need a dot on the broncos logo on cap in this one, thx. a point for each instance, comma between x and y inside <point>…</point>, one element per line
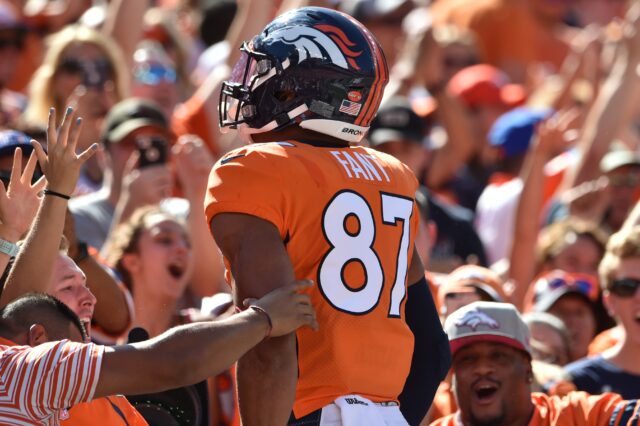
<point>320,42</point>
<point>474,318</point>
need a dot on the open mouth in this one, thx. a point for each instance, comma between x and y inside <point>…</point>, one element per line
<point>86,323</point>
<point>485,391</point>
<point>176,271</point>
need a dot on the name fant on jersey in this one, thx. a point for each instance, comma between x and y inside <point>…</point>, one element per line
<point>361,166</point>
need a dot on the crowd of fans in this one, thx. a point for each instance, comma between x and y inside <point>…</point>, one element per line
<point>518,118</point>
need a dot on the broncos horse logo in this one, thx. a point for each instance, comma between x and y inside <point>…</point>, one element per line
<point>320,42</point>
<point>474,318</point>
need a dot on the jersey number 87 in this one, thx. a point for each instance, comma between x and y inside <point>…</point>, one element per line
<point>347,247</point>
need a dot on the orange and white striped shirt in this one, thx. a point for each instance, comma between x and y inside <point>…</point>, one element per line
<point>38,384</point>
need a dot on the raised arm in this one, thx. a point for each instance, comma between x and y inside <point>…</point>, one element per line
<point>548,142</point>
<point>61,167</point>
<point>193,163</point>
<point>267,374</point>
<point>460,140</point>
<point>187,354</point>
<point>613,107</point>
<point>124,24</point>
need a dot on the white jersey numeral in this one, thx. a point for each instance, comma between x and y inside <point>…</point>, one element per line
<point>347,247</point>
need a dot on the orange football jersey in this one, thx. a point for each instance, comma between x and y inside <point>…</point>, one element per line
<point>575,409</point>
<point>348,219</point>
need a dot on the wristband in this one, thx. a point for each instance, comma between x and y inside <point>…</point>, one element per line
<point>12,250</point>
<point>56,194</point>
<point>263,312</point>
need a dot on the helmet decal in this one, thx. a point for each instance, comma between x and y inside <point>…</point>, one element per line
<point>314,43</point>
<point>341,39</point>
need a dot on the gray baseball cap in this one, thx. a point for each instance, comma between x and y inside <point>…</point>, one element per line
<point>487,322</point>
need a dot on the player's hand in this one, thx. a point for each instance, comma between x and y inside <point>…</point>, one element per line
<point>287,308</point>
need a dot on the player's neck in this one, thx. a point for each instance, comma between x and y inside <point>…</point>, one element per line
<point>295,133</point>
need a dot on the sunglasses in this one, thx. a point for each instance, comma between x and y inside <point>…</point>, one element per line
<point>152,75</point>
<point>95,73</point>
<point>582,285</point>
<point>453,62</point>
<point>624,287</point>
<point>12,39</point>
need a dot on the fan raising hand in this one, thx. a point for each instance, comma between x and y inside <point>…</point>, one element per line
<point>61,165</point>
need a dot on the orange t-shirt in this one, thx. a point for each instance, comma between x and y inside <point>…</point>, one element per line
<point>605,340</point>
<point>192,117</point>
<point>348,219</point>
<point>509,36</point>
<point>575,409</point>
<point>444,401</point>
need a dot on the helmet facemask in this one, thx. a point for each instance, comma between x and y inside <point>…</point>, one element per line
<point>251,69</point>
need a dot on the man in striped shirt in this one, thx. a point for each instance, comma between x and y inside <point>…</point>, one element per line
<point>41,373</point>
<point>45,369</point>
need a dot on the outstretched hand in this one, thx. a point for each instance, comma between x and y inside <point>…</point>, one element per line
<point>554,135</point>
<point>287,307</point>
<point>61,165</point>
<point>20,200</point>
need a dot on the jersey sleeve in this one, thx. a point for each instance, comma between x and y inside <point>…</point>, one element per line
<point>605,409</point>
<point>625,413</point>
<point>250,182</point>
<point>55,375</point>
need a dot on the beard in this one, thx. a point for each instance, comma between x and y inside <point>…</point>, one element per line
<point>493,421</point>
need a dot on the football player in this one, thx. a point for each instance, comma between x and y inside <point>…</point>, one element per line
<point>306,201</point>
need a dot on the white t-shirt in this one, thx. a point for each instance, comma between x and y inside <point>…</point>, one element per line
<point>495,217</point>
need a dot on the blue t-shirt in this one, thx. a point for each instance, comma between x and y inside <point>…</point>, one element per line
<point>596,375</point>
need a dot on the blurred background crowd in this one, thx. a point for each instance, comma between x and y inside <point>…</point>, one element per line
<point>518,117</point>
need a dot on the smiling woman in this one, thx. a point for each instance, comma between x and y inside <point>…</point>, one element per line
<point>153,255</point>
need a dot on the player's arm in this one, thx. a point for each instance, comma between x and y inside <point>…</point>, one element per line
<point>431,355</point>
<point>187,354</point>
<point>267,374</point>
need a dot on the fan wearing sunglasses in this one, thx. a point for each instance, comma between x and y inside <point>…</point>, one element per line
<point>617,369</point>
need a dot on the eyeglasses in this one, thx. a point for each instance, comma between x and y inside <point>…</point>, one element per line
<point>624,287</point>
<point>154,74</point>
